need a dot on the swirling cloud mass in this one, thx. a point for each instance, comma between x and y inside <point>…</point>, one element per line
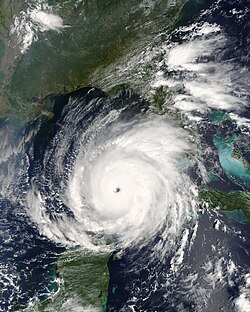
<point>121,178</point>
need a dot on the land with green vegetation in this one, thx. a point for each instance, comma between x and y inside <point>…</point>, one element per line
<point>226,202</point>
<point>81,281</point>
<point>97,34</point>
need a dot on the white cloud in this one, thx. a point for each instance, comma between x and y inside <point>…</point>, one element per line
<point>47,21</point>
<point>37,18</point>
<point>242,303</point>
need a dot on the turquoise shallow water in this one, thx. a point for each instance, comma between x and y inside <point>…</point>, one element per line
<point>232,166</point>
<point>237,215</point>
<point>217,116</point>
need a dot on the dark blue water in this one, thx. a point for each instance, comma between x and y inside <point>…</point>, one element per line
<point>26,257</point>
<point>137,282</point>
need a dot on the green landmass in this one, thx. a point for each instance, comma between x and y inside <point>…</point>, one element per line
<point>81,281</point>
<point>238,155</point>
<point>162,96</point>
<point>99,33</point>
<point>230,201</point>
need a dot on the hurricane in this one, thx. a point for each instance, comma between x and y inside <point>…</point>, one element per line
<point>119,177</point>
